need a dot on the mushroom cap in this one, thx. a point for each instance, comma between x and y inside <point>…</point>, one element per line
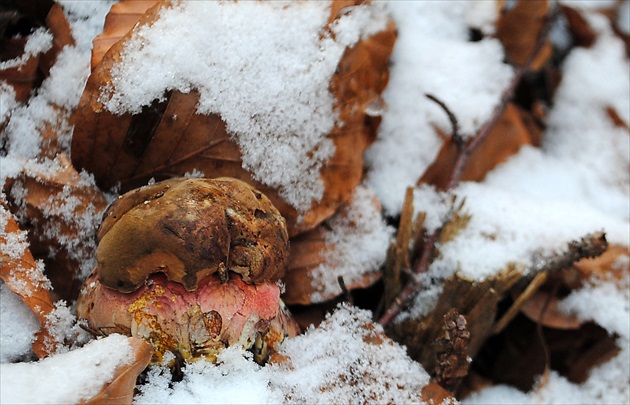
<point>188,229</point>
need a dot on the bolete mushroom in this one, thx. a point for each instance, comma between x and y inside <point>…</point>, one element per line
<point>192,266</point>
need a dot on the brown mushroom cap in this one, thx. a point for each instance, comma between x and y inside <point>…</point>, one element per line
<point>189,229</point>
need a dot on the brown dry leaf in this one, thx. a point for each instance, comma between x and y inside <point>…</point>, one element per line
<point>121,389</point>
<point>59,26</point>
<point>169,138</point>
<point>306,283</point>
<point>616,118</point>
<point>612,264</point>
<point>518,30</point>
<point>433,393</point>
<point>33,14</point>
<point>582,33</point>
<point>61,211</point>
<point>22,78</point>
<point>22,275</point>
<point>120,20</point>
<point>542,308</point>
<point>511,132</point>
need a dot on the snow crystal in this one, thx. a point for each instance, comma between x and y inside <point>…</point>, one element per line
<point>66,378</point>
<point>604,302</point>
<point>265,67</point>
<point>433,203</point>
<point>335,363</point>
<point>86,21</point>
<point>235,379</point>
<point>18,325</point>
<point>7,101</point>
<point>357,240</point>
<point>64,330</point>
<point>38,41</point>
<point>432,55</point>
<point>13,245</point>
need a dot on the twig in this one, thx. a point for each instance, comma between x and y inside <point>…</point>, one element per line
<point>345,291</point>
<point>589,246</point>
<point>464,153</point>
<point>455,136</point>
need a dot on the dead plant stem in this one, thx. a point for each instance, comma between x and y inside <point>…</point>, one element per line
<point>465,149</point>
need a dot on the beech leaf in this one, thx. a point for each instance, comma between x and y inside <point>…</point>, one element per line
<point>519,28</point>
<point>121,389</point>
<point>61,210</point>
<point>120,20</point>
<point>170,138</point>
<point>23,277</point>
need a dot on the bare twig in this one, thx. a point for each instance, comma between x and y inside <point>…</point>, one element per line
<point>455,135</point>
<point>589,246</point>
<point>345,291</point>
<point>465,151</point>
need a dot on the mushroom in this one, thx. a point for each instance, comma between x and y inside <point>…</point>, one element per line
<point>192,266</point>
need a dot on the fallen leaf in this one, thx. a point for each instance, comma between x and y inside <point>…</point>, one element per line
<point>120,20</point>
<point>582,33</point>
<point>61,210</point>
<point>28,74</point>
<point>511,132</point>
<point>433,393</point>
<point>170,138</point>
<point>24,277</point>
<point>59,26</point>
<point>319,257</point>
<point>519,29</point>
<point>121,389</point>
<point>542,308</point>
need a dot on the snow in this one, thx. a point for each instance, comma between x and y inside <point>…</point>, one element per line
<point>67,378</point>
<point>333,363</point>
<point>13,245</point>
<point>357,239</point>
<point>18,325</point>
<point>336,363</point>
<point>38,42</point>
<point>432,55</point>
<point>273,93</point>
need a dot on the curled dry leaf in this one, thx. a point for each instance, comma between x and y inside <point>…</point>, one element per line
<point>512,131</point>
<point>121,389</point>
<point>581,31</point>
<point>171,138</point>
<point>519,28</point>
<point>120,20</point>
<point>60,209</point>
<point>24,277</point>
